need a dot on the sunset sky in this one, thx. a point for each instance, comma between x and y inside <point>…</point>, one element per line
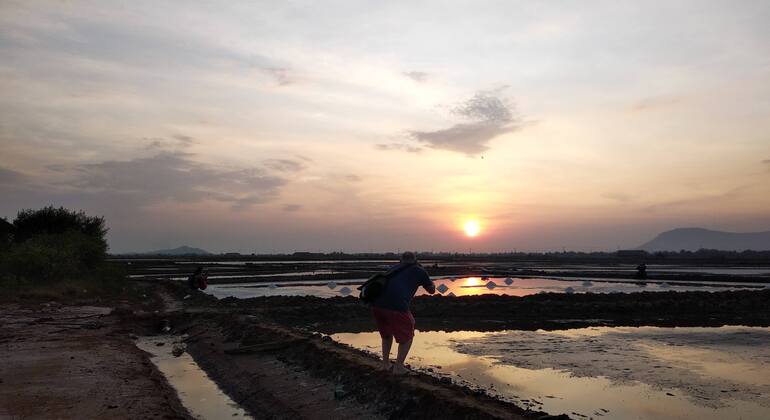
<point>376,126</point>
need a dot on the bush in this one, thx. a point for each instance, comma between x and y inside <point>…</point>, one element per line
<point>56,246</point>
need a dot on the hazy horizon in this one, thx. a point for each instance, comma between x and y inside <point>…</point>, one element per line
<point>368,126</point>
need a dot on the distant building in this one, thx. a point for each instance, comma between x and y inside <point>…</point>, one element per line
<point>629,253</point>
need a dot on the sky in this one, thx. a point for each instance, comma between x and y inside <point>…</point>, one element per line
<point>364,126</point>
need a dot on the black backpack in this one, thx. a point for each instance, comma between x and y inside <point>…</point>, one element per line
<point>375,285</point>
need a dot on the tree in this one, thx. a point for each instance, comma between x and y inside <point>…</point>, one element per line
<point>54,244</point>
<point>50,220</point>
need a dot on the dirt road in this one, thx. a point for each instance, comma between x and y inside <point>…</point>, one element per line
<point>76,362</point>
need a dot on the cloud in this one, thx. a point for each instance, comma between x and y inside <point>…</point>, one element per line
<point>702,201</point>
<point>284,165</point>
<point>489,117</point>
<point>292,207</point>
<point>177,141</point>
<point>10,177</point>
<point>618,196</point>
<point>417,76</point>
<point>282,76</point>
<point>653,102</point>
<point>352,178</point>
<point>175,176</point>
<point>399,146</point>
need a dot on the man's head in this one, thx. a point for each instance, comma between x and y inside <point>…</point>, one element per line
<point>408,257</point>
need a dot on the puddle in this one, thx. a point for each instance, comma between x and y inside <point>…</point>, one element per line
<point>468,286</point>
<point>198,393</point>
<point>603,372</point>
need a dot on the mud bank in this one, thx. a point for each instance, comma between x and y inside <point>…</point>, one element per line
<point>490,312</point>
<point>277,372</point>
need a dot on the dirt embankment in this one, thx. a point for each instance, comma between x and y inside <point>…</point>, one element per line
<point>76,362</point>
<point>491,312</point>
<point>286,373</point>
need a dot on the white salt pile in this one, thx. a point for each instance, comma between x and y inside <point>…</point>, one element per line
<point>331,285</point>
<point>569,290</point>
<point>345,291</point>
<point>491,285</point>
<point>509,281</point>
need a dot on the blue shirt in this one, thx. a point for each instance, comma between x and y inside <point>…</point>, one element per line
<point>402,286</point>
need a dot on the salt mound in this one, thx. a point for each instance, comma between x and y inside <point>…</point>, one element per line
<point>345,291</point>
<point>569,290</point>
<point>442,288</point>
<point>491,285</point>
<point>272,286</point>
<point>587,283</point>
<point>451,294</point>
<point>509,281</point>
<point>331,285</point>
<point>664,285</point>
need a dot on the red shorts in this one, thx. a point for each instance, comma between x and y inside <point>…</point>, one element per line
<point>394,324</point>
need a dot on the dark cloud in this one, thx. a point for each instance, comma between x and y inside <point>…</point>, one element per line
<point>282,76</point>
<point>176,177</point>
<point>417,76</point>
<point>284,165</point>
<point>399,146</point>
<point>292,207</point>
<point>10,177</point>
<point>489,117</point>
<point>184,139</point>
<point>177,141</point>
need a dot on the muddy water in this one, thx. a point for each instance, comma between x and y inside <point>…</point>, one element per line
<point>610,373</point>
<point>466,286</point>
<point>198,393</point>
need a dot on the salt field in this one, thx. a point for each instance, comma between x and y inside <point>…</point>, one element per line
<point>467,286</point>
<point>603,372</point>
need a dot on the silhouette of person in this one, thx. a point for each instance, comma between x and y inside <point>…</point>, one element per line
<point>641,271</point>
<point>391,309</point>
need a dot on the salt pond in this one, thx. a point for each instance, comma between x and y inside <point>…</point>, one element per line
<point>466,286</point>
<point>197,392</point>
<point>603,372</point>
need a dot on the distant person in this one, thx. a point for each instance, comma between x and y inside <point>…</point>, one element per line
<point>641,271</point>
<point>198,280</point>
<point>391,309</point>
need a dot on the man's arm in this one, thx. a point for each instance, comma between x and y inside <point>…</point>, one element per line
<point>427,283</point>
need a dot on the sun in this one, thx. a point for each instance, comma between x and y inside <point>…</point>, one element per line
<point>472,228</point>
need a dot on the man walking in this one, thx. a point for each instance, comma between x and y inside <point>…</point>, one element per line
<point>391,309</point>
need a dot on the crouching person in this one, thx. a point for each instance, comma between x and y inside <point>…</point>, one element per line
<point>391,309</point>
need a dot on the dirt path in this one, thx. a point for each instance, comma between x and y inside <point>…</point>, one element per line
<point>76,362</point>
<point>282,373</point>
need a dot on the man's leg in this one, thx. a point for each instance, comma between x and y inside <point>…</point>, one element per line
<point>387,343</point>
<point>403,350</point>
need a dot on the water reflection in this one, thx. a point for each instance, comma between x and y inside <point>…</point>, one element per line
<point>469,286</point>
<point>197,392</point>
<point>619,373</point>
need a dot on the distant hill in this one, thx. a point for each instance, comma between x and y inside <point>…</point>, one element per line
<point>693,239</point>
<point>182,250</point>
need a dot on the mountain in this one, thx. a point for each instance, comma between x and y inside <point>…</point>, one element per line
<point>182,250</point>
<point>693,239</point>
